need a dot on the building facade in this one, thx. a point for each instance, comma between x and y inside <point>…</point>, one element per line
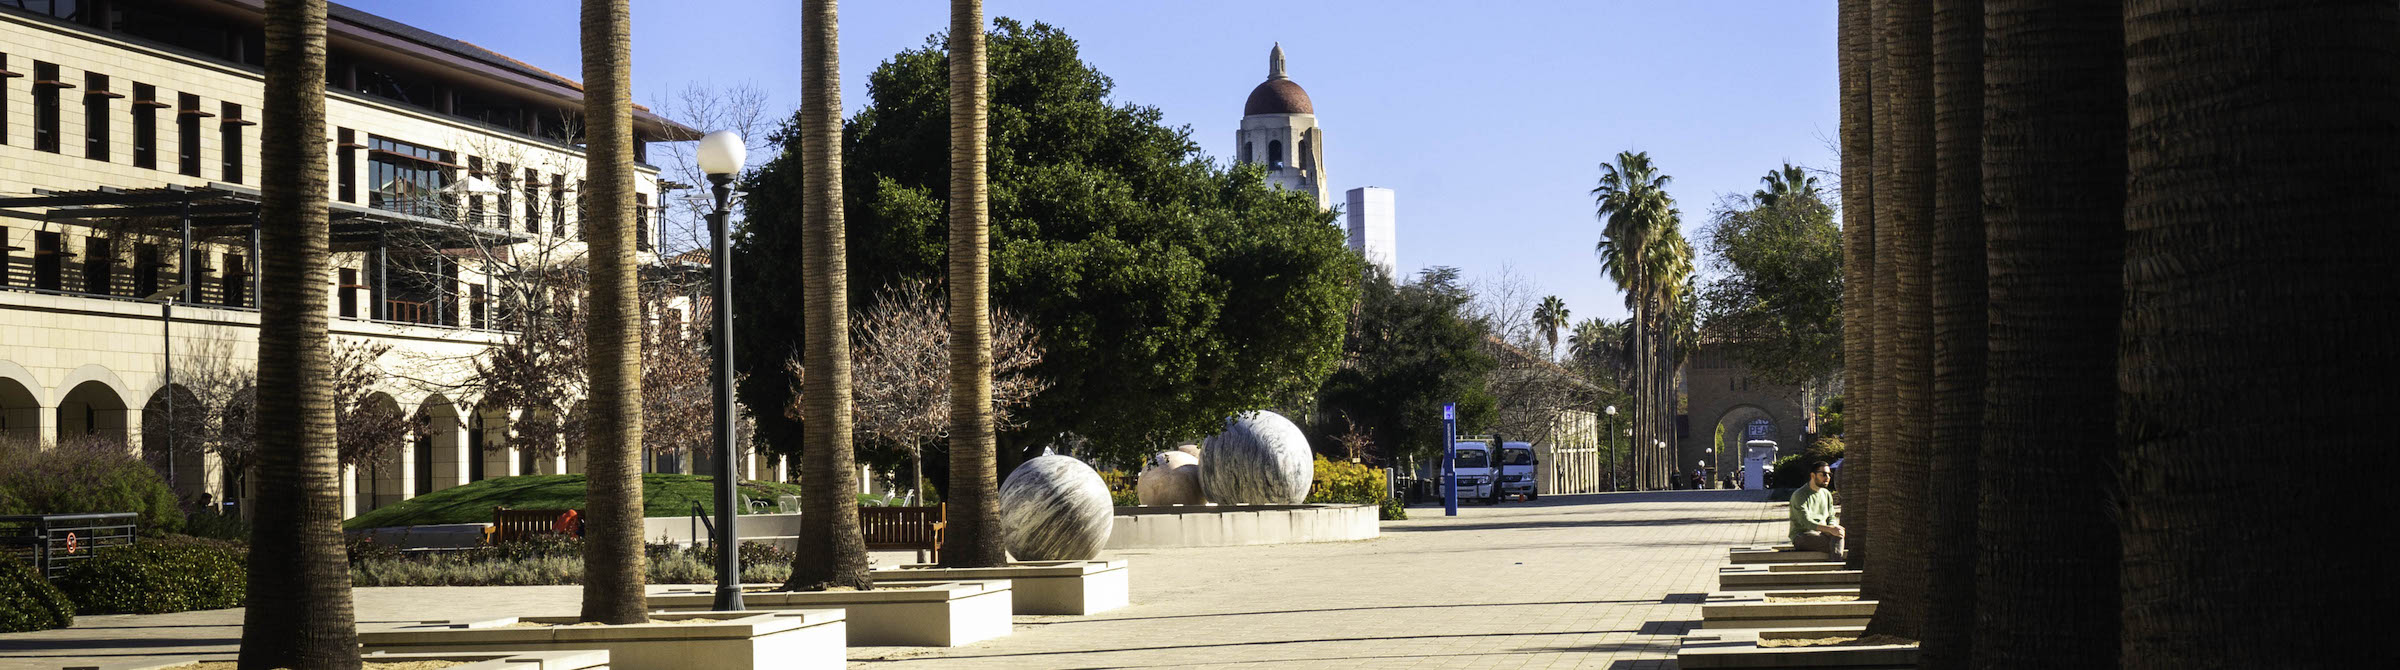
<point>1373,229</point>
<point>1279,131</point>
<point>128,203</point>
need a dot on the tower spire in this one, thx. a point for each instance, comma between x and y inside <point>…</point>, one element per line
<point>1275,63</point>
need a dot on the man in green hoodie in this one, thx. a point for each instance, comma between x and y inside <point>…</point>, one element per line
<point>1813,520</point>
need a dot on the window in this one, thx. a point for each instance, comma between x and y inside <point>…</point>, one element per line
<point>475,310</point>
<point>95,115</point>
<point>1246,151</point>
<point>1274,155</point>
<point>475,200</point>
<point>145,126</point>
<point>1307,159</point>
<point>533,201</point>
<point>409,179</point>
<point>234,286</point>
<point>475,446</point>
<point>6,251</point>
<point>99,265</point>
<point>641,222</point>
<point>1473,458</point>
<point>348,293</point>
<point>49,257</point>
<point>187,134</point>
<point>346,164</point>
<point>501,206</point>
<point>5,75</point>
<point>232,143</point>
<point>45,106</point>
<point>558,205</point>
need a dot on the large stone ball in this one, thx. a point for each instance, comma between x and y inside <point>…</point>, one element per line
<point>1171,478</point>
<point>1055,509</point>
<point>1260,459</point>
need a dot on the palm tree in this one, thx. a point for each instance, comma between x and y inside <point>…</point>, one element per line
<point>1786,182</point>
<point>1904,206</point>
<point>2259,234</point>
<point>831,552</point>
<point>613,587</point>
<point>1636,213</point>
<point>1550,317</point>
<point>974,453</point>
<point>1672,337</point>
<point>1948,626</point>
<point>2054,146</point>
<point>299,612</point>
<point>1857,65</point>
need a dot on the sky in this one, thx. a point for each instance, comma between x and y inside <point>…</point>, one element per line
<point>1489,120</point>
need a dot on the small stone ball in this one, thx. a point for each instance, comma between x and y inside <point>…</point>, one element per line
<point>1055,508</point>
<point>1260,459</point>
<point>1171,478</point>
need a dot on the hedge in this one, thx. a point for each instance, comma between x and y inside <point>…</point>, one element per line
<point>157,577</point>
<point>1344,482</point>
<point>28,602</point>
<point>85,476</point>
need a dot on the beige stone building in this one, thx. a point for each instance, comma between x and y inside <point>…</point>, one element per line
<point>128,200</point>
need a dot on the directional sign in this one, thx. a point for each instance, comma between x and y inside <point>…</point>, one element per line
<point>1449,412</point>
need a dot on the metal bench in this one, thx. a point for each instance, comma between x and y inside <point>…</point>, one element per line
<point>509,525</point>
<point>916,529</point>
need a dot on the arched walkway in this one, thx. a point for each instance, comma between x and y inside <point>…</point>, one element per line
<point>1736,426</point>
<point>439,443</point>
<point>93,410</point>
<point>175,436</point>
<point>20,413</point>
<point>380,471</point>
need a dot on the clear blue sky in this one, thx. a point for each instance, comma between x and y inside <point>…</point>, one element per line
<point>1488,119</point>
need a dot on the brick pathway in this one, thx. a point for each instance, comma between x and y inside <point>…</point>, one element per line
<point>1598,581</point>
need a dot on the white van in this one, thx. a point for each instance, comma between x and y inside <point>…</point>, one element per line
<point>1519,470</point>
<point>1476,476</point>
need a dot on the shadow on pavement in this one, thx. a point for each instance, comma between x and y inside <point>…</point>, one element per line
<point>1260,643</point>
<point>85,646</point>
<point>1346,609</point>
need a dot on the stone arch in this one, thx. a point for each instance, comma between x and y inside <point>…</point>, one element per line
<point>94,409</point>
<point>437,442</point>
<point>487,442</point>
<point>1274,155</point>
<point>380,479</point>
<point>175,435</point>
<point>20,406</point>
<point>1730,430</point>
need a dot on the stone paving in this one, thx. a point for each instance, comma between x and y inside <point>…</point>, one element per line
<point>1589,581</point>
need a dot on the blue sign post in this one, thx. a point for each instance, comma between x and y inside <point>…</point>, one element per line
<point>1449,459</point>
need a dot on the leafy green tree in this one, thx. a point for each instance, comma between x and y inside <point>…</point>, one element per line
<point>1412,348</point>
<point>1776,300</point>
<point>1170,292</point>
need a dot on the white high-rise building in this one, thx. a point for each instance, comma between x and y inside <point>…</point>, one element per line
<point>1373,233</point>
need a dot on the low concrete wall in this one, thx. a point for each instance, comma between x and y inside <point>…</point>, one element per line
<point>1240,525</point>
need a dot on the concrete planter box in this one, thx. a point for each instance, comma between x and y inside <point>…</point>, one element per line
<point>1739,649</point>
<point>1758,556</point>
<point>783,639</point>
<point>941,614</point>
<point>1041,587</point>
<point>1751,610</point>
<point>1163,526</point>
<point>1763,577</point>
<point>503,660</point>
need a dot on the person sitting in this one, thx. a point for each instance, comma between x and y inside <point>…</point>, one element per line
<point>1813,521</point>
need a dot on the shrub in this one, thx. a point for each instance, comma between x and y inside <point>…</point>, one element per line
<point>157,577</point>
<point>85,476</point>
<point>28,602</point>
<point>1791,471</point>
<point>548,567</point>
<point>216,526</point>
<point>1344,482</point>
<point>753,553</point>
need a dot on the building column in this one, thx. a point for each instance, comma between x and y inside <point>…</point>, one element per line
<point>349,491</point>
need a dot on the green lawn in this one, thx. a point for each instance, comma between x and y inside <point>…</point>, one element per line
<point>662,495</point>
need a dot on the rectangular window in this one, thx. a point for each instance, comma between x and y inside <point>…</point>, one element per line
<point>95,115</point>
<point>99,265</point>
<point>641,222</point>
<point>146,268</point>
<point>504,211</point>
<point>348,290</point>
<point>475,309</point>
<point>558,205</point>
<point>45,106</point>
<point>232,144</point>
<point>49,258</point>
<point>533,201</point>
<point>475,200</point>
<point>234,287</point>
<point>408,178</point>
<point>145,126</point>
<point>187,134</point>
<point>346,161</point>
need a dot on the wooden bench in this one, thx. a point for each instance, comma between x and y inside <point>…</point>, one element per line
<point>510,525</point>
<point>905,528</point>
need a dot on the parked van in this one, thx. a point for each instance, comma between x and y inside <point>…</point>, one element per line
<point>1519,471</point>
<point>1474,467</point>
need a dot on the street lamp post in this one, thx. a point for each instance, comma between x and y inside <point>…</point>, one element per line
<point>721,158</point>
<point>1612,448</point>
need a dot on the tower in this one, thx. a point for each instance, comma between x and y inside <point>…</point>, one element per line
<point>1279,131</point>
<point>1373,233</point>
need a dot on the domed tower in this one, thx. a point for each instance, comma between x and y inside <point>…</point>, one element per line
<point>1279,131</point>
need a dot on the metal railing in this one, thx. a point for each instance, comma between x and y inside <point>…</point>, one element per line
<point>54,542</point>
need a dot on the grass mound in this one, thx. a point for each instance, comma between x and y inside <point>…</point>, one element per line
<point>662,495</point>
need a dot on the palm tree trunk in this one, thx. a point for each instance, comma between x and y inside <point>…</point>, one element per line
<point>2257,327</point>
<point>1858,266</point>
<point>299,613</point>
<point>1904,206</point>
<point>1948,623</point>
<point>974,459</point>
<point>831,552</point>
<point>2053,192</point>
<point>1865,525</point>
<point>613,590</point>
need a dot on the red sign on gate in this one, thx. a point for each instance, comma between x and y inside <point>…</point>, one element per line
<point>70,542</point>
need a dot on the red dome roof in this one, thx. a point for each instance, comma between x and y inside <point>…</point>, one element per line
<point>1278,96</point>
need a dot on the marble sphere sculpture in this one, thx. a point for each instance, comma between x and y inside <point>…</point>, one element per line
<point>1055,508</point>
<point>1171,478</point>
<point>1260,459</point>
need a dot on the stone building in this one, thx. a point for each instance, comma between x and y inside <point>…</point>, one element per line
<point>128,182</point>
<point>1279,131</point>
<point>1727,406</point>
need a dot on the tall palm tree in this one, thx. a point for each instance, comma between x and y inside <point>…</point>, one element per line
<point>974,453</point>
<point>299,613</point>
<point>1786,182</point>
<point>1857,65</point>
<point>2054,215</point>
<point>2258,226</point>
<point>1904,207</point>
<point>1636,213</point>
<point>613,589</point>
<point>831,552</point>
<point>1672,336</point>
<point>1551,316</point>
<point>1948,626</point>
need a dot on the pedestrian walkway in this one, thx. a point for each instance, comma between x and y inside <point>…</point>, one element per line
<point>1570,581</point>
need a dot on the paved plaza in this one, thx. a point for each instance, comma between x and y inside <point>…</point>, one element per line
<point>1581,581</point>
